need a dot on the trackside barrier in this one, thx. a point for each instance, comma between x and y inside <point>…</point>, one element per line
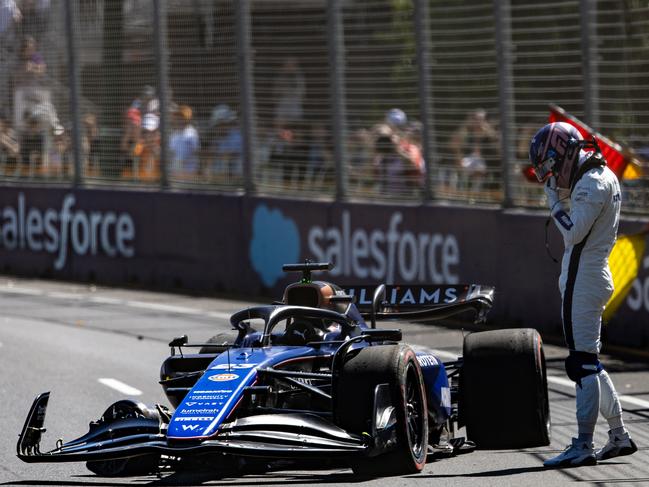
<point>235,244</point>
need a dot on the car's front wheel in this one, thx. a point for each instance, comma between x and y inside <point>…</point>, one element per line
<point>398,368</point>
<point>126,467</point>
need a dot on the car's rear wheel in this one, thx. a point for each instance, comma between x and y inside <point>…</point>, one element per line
<point>126,467</point>
<point>362,372</point>
<point>503,389</point>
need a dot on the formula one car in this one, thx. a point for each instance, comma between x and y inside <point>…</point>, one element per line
<point>309,378</point>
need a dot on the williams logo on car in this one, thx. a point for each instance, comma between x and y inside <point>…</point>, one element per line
<point>223,377</point>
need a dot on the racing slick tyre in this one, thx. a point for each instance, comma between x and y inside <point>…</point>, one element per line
<point>361,373</point>
<point>503,389</point>
<point>222,341</point>
<point>126,467</point>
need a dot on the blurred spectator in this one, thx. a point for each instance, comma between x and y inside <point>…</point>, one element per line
<point>289,154</point>
<point>471,143</point>
<point>320,164</point>
<point>390,166</point>
<point>410,147</point>
<point>32,144</point>
<point>90,144</point>
<point>59,162</point>
<point>289,90</point>
<point>146,153</point>
<point>184,143</point>
<point>396,119</point>
<point>9,148</point>
<point>31,68</point>
<point>226,143</point>
<point>143,104</point>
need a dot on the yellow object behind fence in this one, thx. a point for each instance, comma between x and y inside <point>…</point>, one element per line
<point>624,261</point>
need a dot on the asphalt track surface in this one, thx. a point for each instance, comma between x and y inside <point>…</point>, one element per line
<point>93,346</point>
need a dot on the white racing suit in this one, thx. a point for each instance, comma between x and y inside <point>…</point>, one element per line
<point>589,229</point>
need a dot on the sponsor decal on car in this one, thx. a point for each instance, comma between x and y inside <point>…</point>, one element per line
<point>191,427</point>
<point>232,366</point>
<point>427,360</point>
<point>216,391</point>
<point>199,411</point>
<point>195,418</point>
<point>223,377</point>
<point>209,397</point>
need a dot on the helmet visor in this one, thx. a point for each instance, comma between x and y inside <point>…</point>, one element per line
<point>543,170</point>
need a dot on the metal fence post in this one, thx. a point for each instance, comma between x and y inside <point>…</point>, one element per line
<point>590,80</point>
<point>247,98</point>
<point>503,33</point>
<point>422,40</point>
<point>162,74</point>
<point>73,75</point>
<point>336,46</point>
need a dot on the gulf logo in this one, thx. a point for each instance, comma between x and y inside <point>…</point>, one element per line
<point>223,377</point>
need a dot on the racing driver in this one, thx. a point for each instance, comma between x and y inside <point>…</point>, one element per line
<point>584,198</point>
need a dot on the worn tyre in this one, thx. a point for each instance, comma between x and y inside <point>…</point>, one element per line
<point>222,341</point>
<point>397,366</point>
<point>503,389</point>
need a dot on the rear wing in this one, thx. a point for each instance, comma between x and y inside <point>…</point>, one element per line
<point>426,303</point>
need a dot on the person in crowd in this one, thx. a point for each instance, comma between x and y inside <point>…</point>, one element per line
<point>59,156</point>
<point>9,147</point>
<point>320,164</point>
<point>132,135</point>
<point>31,69</point>
<point>90,145</point>
<point>226,144</point>
<point>390,165</point>
<point>32,144</point>
<point>145,159</point>
<point>184,144</point>
<point>289,90</point>
<point>289,153</point>
<point>584,199</point>
<point>472,144</point>
<point>397,120</point>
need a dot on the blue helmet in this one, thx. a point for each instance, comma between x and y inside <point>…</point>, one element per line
<point>553,147</point>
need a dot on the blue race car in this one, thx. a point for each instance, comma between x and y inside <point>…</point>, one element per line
<point>312,377</point>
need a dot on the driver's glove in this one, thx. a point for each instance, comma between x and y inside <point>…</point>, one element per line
<point>551,192</point>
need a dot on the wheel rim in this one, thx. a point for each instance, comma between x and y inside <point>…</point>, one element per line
<point>414,412</point>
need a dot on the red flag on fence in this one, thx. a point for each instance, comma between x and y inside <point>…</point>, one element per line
<point>618,158</point>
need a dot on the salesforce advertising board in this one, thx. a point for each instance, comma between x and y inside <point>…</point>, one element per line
<point>214,243</point>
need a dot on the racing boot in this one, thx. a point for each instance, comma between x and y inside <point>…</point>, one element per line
<point>618,445</point>
<point>577,454</point>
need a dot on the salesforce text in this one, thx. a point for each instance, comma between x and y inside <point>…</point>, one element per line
<point>387,255</point>
<point>51,230</point>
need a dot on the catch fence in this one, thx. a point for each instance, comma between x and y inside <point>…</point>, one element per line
<point>412,100</point>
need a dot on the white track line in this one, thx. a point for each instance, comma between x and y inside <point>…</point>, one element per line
<point>164,307</point>
<point>120,386</point>
<point>24,290</point>
<point>167,308</point>
<point>623,398</point>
